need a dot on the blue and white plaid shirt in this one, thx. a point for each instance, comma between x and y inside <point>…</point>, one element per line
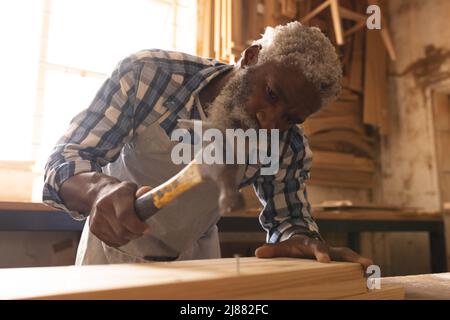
<point>158,85</point>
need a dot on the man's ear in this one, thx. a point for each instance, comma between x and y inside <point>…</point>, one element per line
<point>250,56</point>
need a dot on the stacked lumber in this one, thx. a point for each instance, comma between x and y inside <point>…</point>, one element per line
<point>338,128</point>
<point>344,151</point>
<point>342,133</point>
<point>281,278</point>
<point>342,170</point>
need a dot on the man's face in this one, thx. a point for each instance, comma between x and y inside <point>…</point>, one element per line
<point>266,96</point>
<point>280,97</point>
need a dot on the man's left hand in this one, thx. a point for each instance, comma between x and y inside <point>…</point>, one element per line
<point>301,246</point>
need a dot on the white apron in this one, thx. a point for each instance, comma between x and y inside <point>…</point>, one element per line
<point>184,229</point>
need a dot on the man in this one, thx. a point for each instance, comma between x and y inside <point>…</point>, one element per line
<point>122,142</point>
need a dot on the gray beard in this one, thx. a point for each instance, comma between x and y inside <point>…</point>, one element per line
<point>228,110</point>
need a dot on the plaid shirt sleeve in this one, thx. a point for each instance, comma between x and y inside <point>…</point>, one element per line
<point>287,210</point>
<point>131,99</point>
<point>95,136</point>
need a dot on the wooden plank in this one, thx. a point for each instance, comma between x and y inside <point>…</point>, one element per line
<point>349,122</point>
<point>25,206</point>
<point>342,141</point>
<point>351,15</point>
<point>446,218</point>
<point>384,293</point>
<point>426,286</point>
<point>375,215</point>
<point>342,161</point>
<point>217,26</point>
<point>358,26</point>
<point>205,28</point>
<point>255,20</point>
<point>371,100</point>
<point>385,31</point>
<point>349,176</point>
<point>337,167</point>
<point>375,84</point>
<point>339,108</point>
<point>348,95</point>
<point>349,204</point>
<point>238,29</point>
<point>269,13</point>
<point>279,278</point>
<point>223,30</point>
<point>340,184</point>
<point>441,120</point>
<point>356,67</point>
<point>229,41</point>
<point>326,290</point>
<point>441,111</point>
<point>337,23</point>
<point>357,213</point>
<point>304,7</point>
<point>388,43</point>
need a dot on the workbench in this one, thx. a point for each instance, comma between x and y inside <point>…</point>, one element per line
<point>355,220</point>
<point>17,216</point>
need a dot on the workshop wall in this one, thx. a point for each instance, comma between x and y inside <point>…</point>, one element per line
<point>408,155</point>
<point>409,171</point>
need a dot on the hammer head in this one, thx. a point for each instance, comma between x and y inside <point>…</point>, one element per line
<point>227,176</point>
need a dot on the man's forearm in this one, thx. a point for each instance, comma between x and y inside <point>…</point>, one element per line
<point>109,204</point>
<point>80,192</point>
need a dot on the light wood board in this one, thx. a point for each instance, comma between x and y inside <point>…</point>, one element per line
<point>386,292</point>
<point>434,286</point>
<point>281,278</point>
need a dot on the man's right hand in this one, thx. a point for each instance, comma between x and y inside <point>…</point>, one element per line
<point>111,205</point>
<point>113,218</point>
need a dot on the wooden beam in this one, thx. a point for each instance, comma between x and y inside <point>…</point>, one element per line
<point>358,26</point>
<point>229,43</point>
<point>357,62</point>
<point>205,28</point>
<point>351,15</point>
<point>388,43</point>
<point>223,30</point>
<point>385,33</point>
<point>217,21</point>
<point>269,13</point>
<point>375,83</point>
<point>337,24</point>
<point>238,29</point>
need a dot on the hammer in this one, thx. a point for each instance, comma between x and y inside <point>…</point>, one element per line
<point>226,176</point>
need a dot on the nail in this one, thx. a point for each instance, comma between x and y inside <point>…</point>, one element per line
<point>237,263</point>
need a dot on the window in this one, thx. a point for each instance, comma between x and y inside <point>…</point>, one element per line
<point>59,52</point>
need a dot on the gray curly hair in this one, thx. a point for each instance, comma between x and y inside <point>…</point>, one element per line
<point>308,49</point>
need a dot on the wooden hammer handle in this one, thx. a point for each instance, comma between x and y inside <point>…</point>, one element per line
<point>145,206</point>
